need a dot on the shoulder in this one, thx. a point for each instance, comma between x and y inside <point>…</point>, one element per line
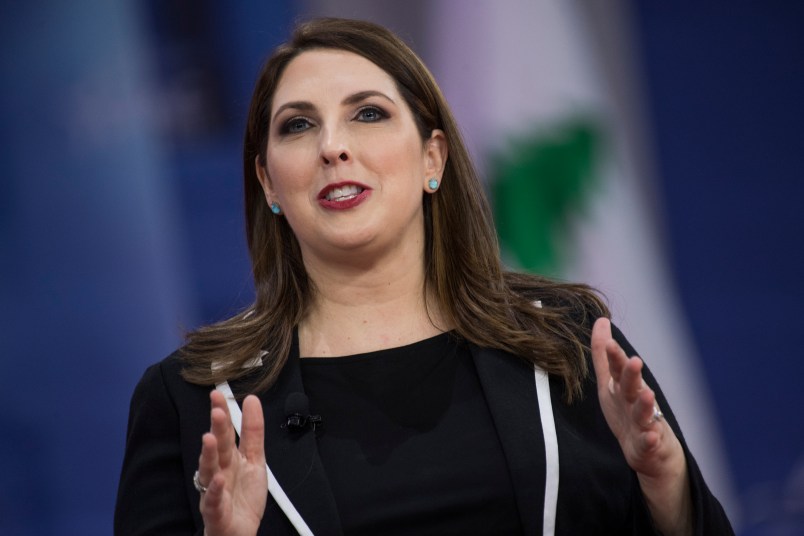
<point>579,303</point>
<point>161,371</point>
<point>166,420</point>
<point>164,374</point>
<point>162,389</point>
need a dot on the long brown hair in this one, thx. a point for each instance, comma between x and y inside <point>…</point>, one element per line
<point>487,305</point>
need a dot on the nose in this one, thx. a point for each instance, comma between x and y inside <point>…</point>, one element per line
<point>334,147</point>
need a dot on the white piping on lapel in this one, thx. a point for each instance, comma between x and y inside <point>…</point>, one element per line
<point>550,447</point>
<point>550,451</point>
<point>274,488</point>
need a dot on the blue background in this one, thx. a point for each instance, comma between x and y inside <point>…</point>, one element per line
<point>121,226</point>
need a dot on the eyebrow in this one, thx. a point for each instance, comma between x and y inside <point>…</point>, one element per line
<point>306,106</point>
<point>363,95</point>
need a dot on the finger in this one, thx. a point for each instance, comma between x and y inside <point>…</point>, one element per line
<point>649,441</point>
<point>212,503</point>
<point>617,360</point>
<point>221,426</point>
<point>631,380</point>
<point>252,442</point>
<point>217,400</point>
<point>601,335</point>
<point>208,460</point>
<point>642,411</point>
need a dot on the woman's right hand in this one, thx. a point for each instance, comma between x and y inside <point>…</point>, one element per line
<point>235,478</point>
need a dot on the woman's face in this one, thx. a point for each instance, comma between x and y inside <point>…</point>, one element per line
<point>345,161</point>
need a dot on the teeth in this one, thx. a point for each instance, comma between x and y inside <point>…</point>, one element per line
<point>344,192</point>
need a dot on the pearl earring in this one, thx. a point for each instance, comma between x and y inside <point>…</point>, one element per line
<point>433,184</point>
<point>275,208</point>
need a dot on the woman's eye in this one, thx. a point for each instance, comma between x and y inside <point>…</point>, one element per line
<point>370,114</point>
<point>295,125</point>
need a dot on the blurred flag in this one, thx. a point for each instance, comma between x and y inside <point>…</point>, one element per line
<point>552,124</point>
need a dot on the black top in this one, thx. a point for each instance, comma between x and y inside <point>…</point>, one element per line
<point>598,493</point>
<point>408,443</point>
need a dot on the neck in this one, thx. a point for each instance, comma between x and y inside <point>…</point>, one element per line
<point>363,308</point>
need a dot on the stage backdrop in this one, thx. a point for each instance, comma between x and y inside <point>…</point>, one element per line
<point>652,150</point>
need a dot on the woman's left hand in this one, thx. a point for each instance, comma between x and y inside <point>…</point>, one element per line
<point>650,446</point>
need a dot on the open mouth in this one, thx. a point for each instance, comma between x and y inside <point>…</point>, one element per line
<point>343,193</point>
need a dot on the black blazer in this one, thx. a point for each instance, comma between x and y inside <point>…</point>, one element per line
<point>598,492</point>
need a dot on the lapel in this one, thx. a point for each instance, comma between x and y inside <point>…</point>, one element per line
<point>509,386</point>
<point>294,461</point>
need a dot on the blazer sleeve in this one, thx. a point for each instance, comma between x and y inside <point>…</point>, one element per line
<point>153,495</point>
<point>708,515</point>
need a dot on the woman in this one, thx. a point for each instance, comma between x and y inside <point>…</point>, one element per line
<point>455,397</point>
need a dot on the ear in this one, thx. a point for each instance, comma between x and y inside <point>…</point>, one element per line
<point>265,180</point>
<point>435,156</point>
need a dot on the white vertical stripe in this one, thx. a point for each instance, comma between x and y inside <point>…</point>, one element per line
<point>550,452</point>
<point>274,488</point>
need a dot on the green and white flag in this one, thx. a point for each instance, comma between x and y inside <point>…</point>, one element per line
<point>545,96</point>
